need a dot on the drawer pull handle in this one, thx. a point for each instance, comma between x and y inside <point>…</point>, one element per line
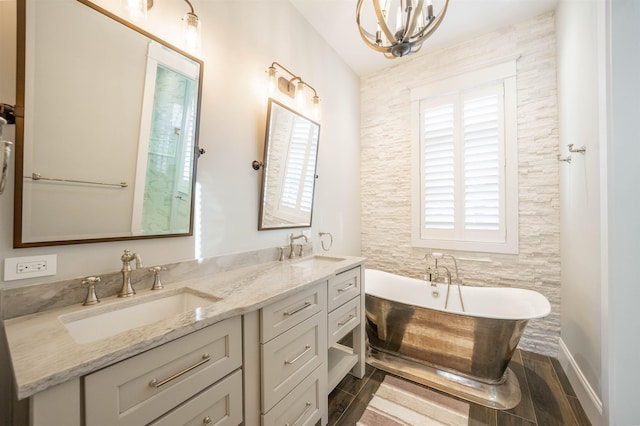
<point>295,311</point>
<point>155,383</point>
<point>307,348</point>
<point>348,320</point>
<point>207,421</point>
<point>346,288</point>
<point>301,416</point>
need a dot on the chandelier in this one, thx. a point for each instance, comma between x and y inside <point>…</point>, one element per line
<point>414,23</point>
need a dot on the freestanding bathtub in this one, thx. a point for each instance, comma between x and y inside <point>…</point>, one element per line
<point>463,353</point>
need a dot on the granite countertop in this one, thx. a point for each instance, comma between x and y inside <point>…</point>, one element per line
<point>44,353</point>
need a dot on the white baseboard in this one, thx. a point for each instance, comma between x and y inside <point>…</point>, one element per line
<point>585,393</point>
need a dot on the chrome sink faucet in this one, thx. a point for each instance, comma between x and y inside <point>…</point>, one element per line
<point>127,258</point>
<point>292,238</point>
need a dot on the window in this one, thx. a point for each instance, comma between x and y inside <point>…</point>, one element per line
<point>465,197</point>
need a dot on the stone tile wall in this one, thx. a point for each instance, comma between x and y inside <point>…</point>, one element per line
<point>386,150</point>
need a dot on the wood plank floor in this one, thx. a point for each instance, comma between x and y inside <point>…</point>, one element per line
<point>547,397</point>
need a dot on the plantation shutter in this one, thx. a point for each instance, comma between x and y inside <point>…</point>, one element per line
<point>482,160</point>
<point>439,171</point>
<point>462,157</point>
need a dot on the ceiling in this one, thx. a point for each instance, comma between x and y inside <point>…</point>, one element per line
<point>335,20</point>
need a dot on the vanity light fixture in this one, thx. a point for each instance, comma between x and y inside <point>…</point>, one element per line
<point>191,29</point>
<point>414,23</point>
<point>137,10</point>
<point>293,87</point>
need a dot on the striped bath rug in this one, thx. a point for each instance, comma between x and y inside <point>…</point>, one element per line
<point>398,402</point>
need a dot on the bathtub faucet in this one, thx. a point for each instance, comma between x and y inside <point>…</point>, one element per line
<point>432,275</point>
<point>441,256</point>
<point>435,277</point>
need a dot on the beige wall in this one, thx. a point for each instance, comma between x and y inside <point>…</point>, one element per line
<point>386,160</point>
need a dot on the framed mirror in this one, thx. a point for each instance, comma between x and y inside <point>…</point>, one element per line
<point>106,128</point>
<point>289,169</point>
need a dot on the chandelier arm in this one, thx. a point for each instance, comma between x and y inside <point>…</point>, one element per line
<point>383,24</point>
<point>433,25</point>
<point>417,49</point>
<point>406,33</point>
<point>411,25</point>
<point>365,35</point>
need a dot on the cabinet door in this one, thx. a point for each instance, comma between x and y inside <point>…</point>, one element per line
<point>144,387</point>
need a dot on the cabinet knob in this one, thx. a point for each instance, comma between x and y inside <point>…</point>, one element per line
<point>207,421</point>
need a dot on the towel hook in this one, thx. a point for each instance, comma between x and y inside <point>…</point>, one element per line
<point>580,149</point>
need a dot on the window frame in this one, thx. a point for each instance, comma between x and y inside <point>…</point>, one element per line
<point>504,74</point>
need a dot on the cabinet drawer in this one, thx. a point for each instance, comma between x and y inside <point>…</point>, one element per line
<point>343,319</point>
<point>302,407</point>
<point>140,389</point>
<point>281,316</point>
<point>343,287</point>
<point>290,357</point>
<point>219,405</point>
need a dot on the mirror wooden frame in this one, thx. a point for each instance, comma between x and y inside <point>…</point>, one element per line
<point>20,133</point>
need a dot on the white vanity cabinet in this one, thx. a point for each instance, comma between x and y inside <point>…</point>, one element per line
<point>346,313</point>
<point>272,364</point>
<point>293,353</point>
<point>194,380</point>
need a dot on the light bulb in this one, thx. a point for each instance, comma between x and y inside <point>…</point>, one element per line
<point>136,9</point>
<point>191,31</point>
<point>301,97</point>
<point>271,84</point>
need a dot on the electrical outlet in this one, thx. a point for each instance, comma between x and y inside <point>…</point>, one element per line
<point>17,268</point>
<point>28,267</point>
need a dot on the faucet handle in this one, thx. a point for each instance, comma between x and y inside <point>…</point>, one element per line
<point>282,250</point>
<point>157,285</point>
<point>91,298</point>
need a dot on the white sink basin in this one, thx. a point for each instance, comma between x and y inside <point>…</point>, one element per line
<point>316,261</point>
<point>98,322</point>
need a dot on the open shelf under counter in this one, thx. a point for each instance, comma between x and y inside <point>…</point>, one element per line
<point>341,361</point>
